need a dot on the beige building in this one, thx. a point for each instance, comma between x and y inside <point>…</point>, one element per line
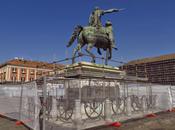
<point>20,70</point>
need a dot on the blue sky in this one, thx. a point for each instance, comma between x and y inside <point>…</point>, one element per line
<point>40,29</point>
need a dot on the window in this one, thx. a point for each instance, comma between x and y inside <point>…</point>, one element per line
<point>31,79</point>
<point>32,72</point>
<point>45,73</point>
<point>39,72</point>
<point>14,70</point>
<point>4,76</point>
<point>23,79</point>
<point>1,76</point>
<point>23,71</point>
<point>13,78</point>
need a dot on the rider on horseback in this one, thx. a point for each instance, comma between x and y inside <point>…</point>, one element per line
<point>94,35</point>
<point>95,21</point>
<point>95,17</point>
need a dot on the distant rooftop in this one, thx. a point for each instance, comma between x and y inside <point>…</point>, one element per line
<point>152,59</point>
<point>29,63</point>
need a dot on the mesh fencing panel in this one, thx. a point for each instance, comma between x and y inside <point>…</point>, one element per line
<point>21,102</point>
<point>157,97</point>
<point>163,97</point>
<point>73,102</point>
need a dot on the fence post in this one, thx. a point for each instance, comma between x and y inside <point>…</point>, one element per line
<point>107,110</point>
<point>170,98</point>
<point>144,105</point>
<point>54,107</point>
<point>128,106</point>
<point>77,117</point>
<point>44,104</point>
<point>20,107</point>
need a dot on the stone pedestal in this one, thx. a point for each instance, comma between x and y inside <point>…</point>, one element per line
<point>86,69</point>
<point>92,70</point>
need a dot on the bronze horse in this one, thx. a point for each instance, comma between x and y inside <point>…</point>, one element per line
<point>93,37</point>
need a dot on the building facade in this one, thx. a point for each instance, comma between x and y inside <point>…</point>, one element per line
<point>159,69</point>
<point>20,70</point>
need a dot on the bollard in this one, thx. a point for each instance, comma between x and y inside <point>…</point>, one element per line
<point>144,104</point>
<point>170,99</point>
<point>77,115</point>
<point>53,112</point>
<point>156,106</point>
<point>107,110</point>
<point>128,106</point>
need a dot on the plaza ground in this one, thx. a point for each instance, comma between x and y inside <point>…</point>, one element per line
<point>163,121</point>
<point>7,124</point>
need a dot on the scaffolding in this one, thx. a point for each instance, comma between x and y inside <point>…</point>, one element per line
<point>159,71</point>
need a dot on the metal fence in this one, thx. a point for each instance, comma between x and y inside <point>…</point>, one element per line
<point>21,102</point>
<point>88,102</point>
<point>82,102</point>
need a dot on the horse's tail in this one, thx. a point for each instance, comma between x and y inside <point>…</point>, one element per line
<point>75,34</point>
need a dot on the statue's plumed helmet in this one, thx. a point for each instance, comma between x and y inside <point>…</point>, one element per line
<point>108,23</point>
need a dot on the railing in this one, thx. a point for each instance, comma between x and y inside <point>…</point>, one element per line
<point>80,55</point>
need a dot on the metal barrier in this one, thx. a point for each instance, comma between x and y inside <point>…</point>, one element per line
<point>83,103</point>
<point>21,102</point>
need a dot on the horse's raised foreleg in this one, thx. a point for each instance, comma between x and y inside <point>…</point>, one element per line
<point>88,50</point>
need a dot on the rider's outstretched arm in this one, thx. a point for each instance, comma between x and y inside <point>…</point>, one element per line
<point>112,10</point>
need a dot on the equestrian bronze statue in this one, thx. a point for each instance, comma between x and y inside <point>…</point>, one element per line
<point>94,35</point>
